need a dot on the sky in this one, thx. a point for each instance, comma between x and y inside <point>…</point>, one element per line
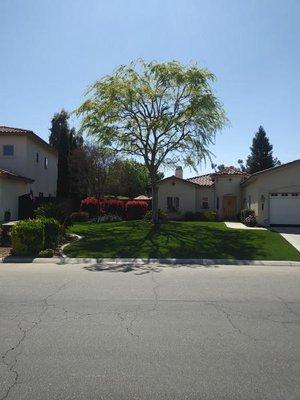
<point>52,50</point>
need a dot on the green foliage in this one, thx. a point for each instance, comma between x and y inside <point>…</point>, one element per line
<point>163,113</point>
<point>49,210</point>
<point>52,232</point>
<point>47,253</point>
<point>65,141</point>
<point>208,215</point>
<point>80,216</point>
<point>261,156</point>
<point>28,238</point>
<point>128,178</point>
<point>162,216</point>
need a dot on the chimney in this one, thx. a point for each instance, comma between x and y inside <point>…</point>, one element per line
<point>179,172</point>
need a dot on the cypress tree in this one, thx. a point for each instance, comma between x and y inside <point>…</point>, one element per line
<point>261,156</point>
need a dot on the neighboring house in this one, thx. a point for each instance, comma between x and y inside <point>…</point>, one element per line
<point>27,165</point>
<point>11,187</point>
<point>274,194</point>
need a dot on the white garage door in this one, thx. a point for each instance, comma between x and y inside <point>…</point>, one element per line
<point>285,208</point>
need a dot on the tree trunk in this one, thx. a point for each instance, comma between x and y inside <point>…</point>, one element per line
<point>154,203</point>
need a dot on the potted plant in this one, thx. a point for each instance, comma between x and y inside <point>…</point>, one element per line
<point>7,215</point>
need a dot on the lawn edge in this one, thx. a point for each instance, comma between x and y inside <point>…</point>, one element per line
<point>144,261</point>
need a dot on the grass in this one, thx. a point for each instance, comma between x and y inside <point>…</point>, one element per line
<point>178,240</point>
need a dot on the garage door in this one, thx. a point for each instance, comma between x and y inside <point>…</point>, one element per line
<point>285,209</point>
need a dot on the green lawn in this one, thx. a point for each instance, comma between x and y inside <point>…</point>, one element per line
<point>178,240</point>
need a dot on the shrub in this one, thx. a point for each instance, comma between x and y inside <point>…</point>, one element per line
<point>90,205</point>
<point>136,209</point>
<point>52,232</point>
<point>250,220</point>
<point>194,216</point>
<point>246,213</point>
<point>210,215</point>
<point>48,253</point>
<point>49,210</point>
<point>81,216</point>
<point>27,237</point>
<point>104,206</point>
<point>162,216</point>
<point>113,206</point>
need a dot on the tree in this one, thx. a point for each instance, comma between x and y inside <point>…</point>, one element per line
<point>164,113</point>
<point>128,178</point>
<point>64,140</point>
<point>261,156</point>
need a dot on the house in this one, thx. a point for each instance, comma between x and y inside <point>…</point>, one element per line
<point>27,165</point>
<point>274,194</point>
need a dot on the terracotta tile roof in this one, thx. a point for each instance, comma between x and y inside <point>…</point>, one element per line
<point>7,130</point>
<point>202,180</point>
<point>12,175</point>
<point>230,171</point>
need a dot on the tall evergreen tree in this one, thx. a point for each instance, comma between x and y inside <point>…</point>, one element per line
<point>65,141</point>
<point>261,156</point>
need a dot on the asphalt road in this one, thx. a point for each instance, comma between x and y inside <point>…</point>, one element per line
<point>75,332</point>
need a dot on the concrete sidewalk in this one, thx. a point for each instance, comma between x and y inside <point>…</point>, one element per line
<point>291,234</point>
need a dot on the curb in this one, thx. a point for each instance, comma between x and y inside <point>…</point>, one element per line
<point>144,261</point>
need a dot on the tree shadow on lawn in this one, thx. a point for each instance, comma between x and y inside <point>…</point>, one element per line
<point>174,240</point>
<point>203,242</point>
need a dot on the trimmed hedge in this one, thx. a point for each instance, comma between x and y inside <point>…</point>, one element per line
<point>136,209</point>
<point>126,209</point>
<point>52,232</point>
<point>28,237</point>
<point>208,215</point>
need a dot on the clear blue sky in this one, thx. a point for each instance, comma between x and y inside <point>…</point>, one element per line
<point>51,50</point>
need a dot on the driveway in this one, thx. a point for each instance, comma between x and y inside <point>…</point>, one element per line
<point>77,332</point>
<point>291,234</point>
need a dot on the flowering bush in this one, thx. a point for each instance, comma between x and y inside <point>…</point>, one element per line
<point>90,205</point>
<point>136,209</point>
<point>250,220</point>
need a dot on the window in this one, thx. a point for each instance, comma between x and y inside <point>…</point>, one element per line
<point>173,203</point>
<point>217,203</point>
<point>284,194</point>
<point>249,201</point>
<point>37,157</point>
<point>8,150</point>
<point>41,194</point>
<point>46,163</point>
<point>205,204</point>
<point>295,194</point>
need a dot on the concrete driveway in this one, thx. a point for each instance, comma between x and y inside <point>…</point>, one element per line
<point>291,234</point>
<point>76,332</point>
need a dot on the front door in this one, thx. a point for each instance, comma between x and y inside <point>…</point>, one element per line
<point>229,207</point>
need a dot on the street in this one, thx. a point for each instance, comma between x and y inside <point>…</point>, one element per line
<point>80,332</point>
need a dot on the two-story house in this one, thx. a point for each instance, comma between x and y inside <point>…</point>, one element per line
<point>27,165</point>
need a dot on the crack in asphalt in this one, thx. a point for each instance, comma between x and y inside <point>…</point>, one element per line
<point>234,326</point>
<point>24,333</point>
<point>138,310</point>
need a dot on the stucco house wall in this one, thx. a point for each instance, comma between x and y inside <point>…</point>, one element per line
<point>203,193</point>
<point>186,192</point>
<point>257,189</point>
<point>227,185</point>
<point>24,161</point>
<point>45,179</point>
<point>18,162</point>
<point>10,190</point>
